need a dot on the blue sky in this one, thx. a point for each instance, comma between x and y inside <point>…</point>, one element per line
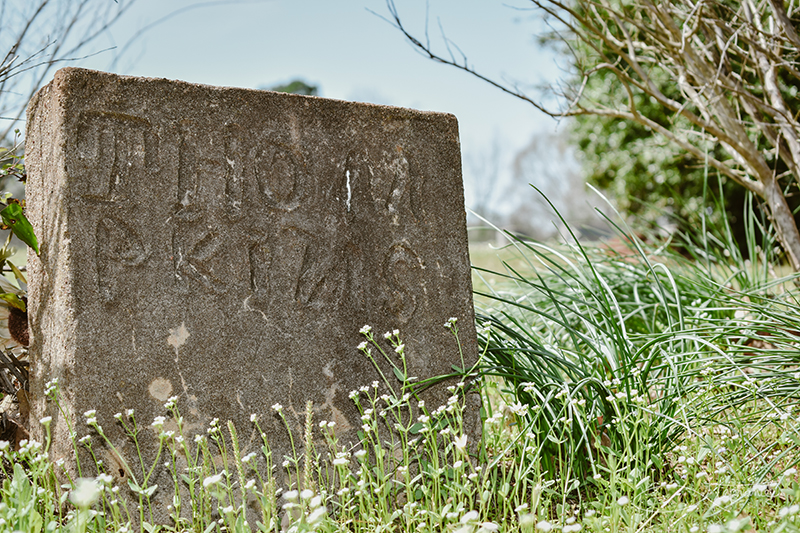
<point>350,53</point>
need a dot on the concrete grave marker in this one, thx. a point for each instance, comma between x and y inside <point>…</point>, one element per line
<point>225,246</point>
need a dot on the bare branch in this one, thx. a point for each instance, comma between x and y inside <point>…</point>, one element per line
<point>729,70</point>
<point>78,25</point>
<point>427,51</point>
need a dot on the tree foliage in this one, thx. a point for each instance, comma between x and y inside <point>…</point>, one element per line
<point>296,87</point>
<point>716,73</point>
<point>640,169</point>
<point>644,171</point>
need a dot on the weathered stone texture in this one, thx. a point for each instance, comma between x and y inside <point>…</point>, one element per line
<point>226,245</point>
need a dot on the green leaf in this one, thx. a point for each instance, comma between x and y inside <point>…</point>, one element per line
<point>13,300</point>
<point>17,274</point>
<point>142,491</point>
<point>36,522</point>
<point>441,423</point>
<point>657,462</point>
<point>13,218</point>
<point>399,375</point>
<point>134,486</point>
<point>701,455</point>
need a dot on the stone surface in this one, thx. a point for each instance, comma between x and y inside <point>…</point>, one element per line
<point>225,246</point>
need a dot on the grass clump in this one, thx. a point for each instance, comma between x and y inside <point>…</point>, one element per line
<point>650,377</point>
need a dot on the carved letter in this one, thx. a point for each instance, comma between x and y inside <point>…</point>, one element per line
<point>118,247</point>
<point>403,273</point>
<point>199,258</point>
<point>296,267</point>
<point>276,168</point>
<point>391,187</point>
<point>234,165</point>
<point>187,166</point>
<point>117,149</point>
<point>260,260</point>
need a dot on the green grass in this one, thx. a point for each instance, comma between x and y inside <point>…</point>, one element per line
<point>664,380</point>
<point>654,390</point>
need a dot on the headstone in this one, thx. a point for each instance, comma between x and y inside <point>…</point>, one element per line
<point>225,246</point>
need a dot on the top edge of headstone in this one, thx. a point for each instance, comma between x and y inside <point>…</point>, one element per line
<point>67,76</point>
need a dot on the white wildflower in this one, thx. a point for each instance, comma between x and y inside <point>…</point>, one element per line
<point>85,493</point>
<point>518,408</point>
<point>316,515</point>
<point>720,500</point>
<point>212,480</point>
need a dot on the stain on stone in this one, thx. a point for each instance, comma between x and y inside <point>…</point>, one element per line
<point>177,337</point>
<point>160,389</point>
